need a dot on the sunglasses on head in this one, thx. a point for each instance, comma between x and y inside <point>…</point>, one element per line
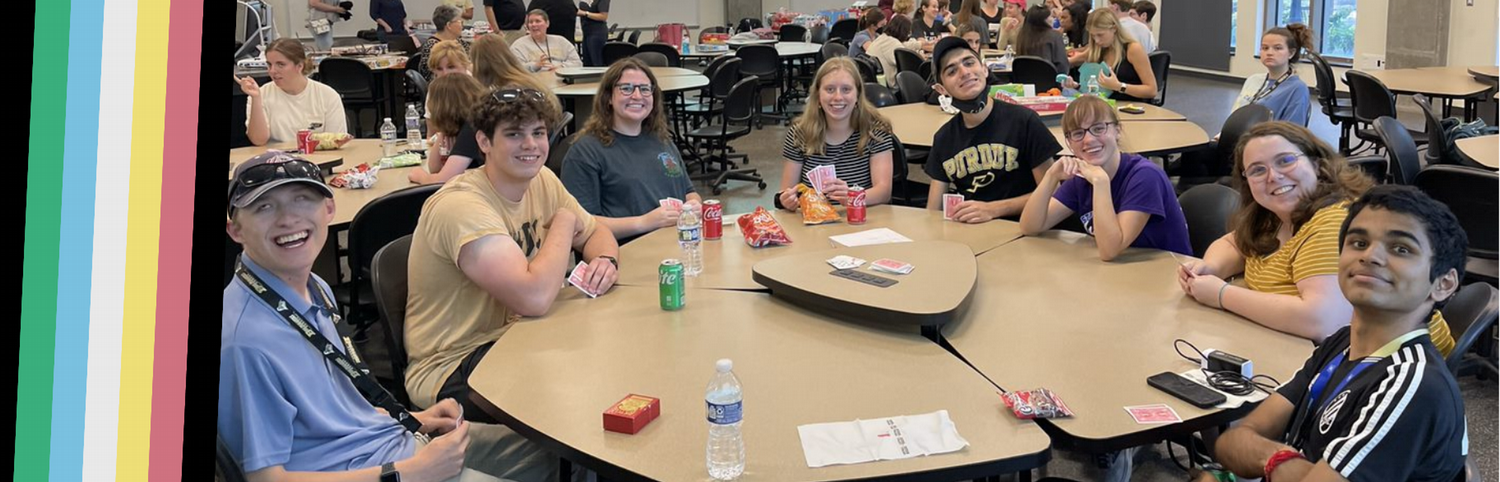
<point>264,173</point>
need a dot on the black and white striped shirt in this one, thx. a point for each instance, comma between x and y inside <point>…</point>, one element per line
<point>849,164</point>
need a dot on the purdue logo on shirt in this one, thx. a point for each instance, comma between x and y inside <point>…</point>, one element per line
<point>1326,421</point>
<point>982,160</point>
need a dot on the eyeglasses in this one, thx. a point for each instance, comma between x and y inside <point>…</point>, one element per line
<point>513,95</point>
<point>1282,162</point>
<point>1097,130</point>
<point>646,90</point>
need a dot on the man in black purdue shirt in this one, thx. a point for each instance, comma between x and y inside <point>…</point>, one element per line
<point>992,153</point>
<point>1375,401</point>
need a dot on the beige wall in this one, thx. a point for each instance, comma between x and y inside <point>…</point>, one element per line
<point>1472,40</point>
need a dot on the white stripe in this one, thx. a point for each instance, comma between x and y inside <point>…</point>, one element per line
<point>111,211</point>
<point>1415,370</point>
<point>1331,450</point>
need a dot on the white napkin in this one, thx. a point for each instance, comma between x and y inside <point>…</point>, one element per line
<point>891,438</point>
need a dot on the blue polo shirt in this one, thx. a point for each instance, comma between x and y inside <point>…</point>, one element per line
<point>282,403</point>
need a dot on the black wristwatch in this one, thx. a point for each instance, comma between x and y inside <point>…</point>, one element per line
<point>388,473</point>
<point>612,260</point>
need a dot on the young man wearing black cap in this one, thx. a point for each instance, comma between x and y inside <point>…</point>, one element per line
<point>294,403</point>
<point>986,151</point>
<point>1375,401</point>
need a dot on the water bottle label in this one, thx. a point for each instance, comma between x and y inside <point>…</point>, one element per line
<point>724,414</point>
<point>689,235</point>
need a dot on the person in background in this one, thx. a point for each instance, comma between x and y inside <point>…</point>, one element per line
<point>897,35</point>
<point>595,21</point>
<point>1128,72</point>
<point>928,24</point>
<point>1037,38</point>
<point>972,15</point>
<point>563,11</point>
<point>390,19</point>
<point>870,24</point>
<point>543,52</point>
<point>450,28</point>
<point>291,101</point>
<point>507,18</point>
<point>1074,19</point>
<point>321,15</point>
<point>1143,11</point>
<point>842,129</point>
<point>454,149</point>
<point>1137,30</point>
<point>1279,88</point>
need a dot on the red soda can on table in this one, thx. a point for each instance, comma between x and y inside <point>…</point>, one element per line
<point>305,142</point>
<point>855,212</point>
<point>713,219</point>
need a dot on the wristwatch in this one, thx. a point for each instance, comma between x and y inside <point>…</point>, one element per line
<point>1123,86</point>
<point>388,473</point>
<point>611,259</point>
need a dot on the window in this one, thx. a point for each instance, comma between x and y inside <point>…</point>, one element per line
<point>1234,23</point>
<point>1332,21</point>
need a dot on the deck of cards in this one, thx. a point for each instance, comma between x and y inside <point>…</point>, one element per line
<point>819,174</point>
<point>671,203</point>
<point>950,205</point>
<point>845,262</point>
<point>891,266</point>
<point>576,279</point>
<point>1153,414</point>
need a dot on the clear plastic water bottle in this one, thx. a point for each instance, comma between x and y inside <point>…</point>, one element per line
<point>1010,54</point>
<point>413,127</point>
<point>690,237</point>
<point>1093,87</point>
<point>388,137</point>
<point>726,449</point>
<point>687,44</point>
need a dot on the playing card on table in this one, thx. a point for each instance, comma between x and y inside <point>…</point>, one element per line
<point>891,266</point>
<point>671,203</point>
<point>950,205</point>
<point>575,278</point>
<point>1148,414</point>
<point>845,262</point>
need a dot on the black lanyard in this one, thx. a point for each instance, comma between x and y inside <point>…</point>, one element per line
<point>373,392</point>
<point>1269,86</point>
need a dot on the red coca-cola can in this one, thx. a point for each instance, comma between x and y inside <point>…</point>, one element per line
<point>855,212</point>
<point>305,142</point>
<point>713,219</point>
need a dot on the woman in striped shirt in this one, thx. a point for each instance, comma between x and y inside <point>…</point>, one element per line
<point>1295,192</point>
<point>842,129</point>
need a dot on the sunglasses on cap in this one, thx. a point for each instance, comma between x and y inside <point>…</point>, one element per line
<point>257,176</point>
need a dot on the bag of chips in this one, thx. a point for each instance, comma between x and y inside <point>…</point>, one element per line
<point>362,176</point>
<point>815,208</point>
<point>761,229</point>
<point>1033,404</point>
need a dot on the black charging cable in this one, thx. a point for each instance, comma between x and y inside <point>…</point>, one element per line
<point>1227,381</point>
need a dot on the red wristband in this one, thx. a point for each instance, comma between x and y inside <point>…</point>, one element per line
<point>1278,458</point>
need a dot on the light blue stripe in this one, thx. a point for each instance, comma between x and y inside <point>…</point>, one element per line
<point>76,247</point>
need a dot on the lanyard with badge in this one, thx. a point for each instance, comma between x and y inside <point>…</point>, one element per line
<point>1315,401</point>
<point>361,378</point>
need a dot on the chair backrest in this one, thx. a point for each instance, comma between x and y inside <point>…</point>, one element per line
<point>416,85</point>
<point>819,34</point>
<point>558,152</point>
<point>674,58</point>
<point>1471,193</point>
<point>1437,142</point>
<point>724,77</point>
<point>1372,100</point>
<point>562,127</point>
<point>614,51</point>
<point>831,50</point>
<point>1027,69</point>
<point>792,33</point>
<point>879,95</point>
<point>389,280</point>
<point>866,68</point>
<point>925,70</point>
<point>1400,148</point>
<point>386,218</point>
<point>899,170</point>
<point>1161,64</point>
<point>713,66</point>
<point>1327,91</point>
<point>759,60</point>
<point>740,105</point>
<point>844,29</point>
<point>1238,123</point>
<point>906,60</point>
<point>911,88</point>
<point>1375,166</point>
<point>350,78</point>
<point>635,37</point>
<point>1207,208</point>
<point>402,44</point>
<point>653,59</point>
<point>1469,313</point>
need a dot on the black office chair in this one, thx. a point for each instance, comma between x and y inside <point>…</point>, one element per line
<point>1215,160</point>
<point>614,51</point>
<point>653,59</point>
<point>906,60</point>
<point>1376,166</point>
<point>354,81</point>
<point>1471,194</point>
<point>1161,65</point>
<point>1470,314</point>
<point>1373,100</point>
<point>386,218</point>
<point>725,75</point>
<point>867,68</point>
<point>819,34</point>
<point>792,33</point>
<point>388,276</point>
<point>1400,149</point>
<point>416,89</point>
<point>402,44</point>
<point>905,192</point>
<point>1338,106</point>
<point>1437,142</point>
<point>747,24</point>
<point>925,70</point>
<point>561,129</point>
<point>1026,69</point>
<point>844,29</point>
<point>674,58</point>
<point>879,95</point>
<point>763,63</point>
<point>911,88</point>
<point>635,37</point>
<point>1207,208</point>
<point>831,50</point>
<point>740,110</point>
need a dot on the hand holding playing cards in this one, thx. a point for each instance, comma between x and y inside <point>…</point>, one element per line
<point>974,212</point>
<point>661,217</point>
<point>440,459</point>
<point>599,276</point>
<point>836,189</point>
<point>789,199</point>
<point>1205,288</point>
<point>1188,270</point>
<point>441,418</point>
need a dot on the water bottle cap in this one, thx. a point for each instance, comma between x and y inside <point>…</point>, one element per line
<point>724,365</point>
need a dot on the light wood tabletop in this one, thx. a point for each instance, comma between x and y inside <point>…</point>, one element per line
<point>941,281</point>
<point>1453,82</point>
<point>1490,71</point>
<point>552,377</point>
<point>1480,149</point>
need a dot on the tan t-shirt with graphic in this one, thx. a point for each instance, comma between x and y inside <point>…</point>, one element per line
<point>447,315</point>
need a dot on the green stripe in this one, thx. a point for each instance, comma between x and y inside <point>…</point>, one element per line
<point>49,83</point>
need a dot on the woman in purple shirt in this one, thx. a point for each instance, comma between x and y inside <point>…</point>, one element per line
<point>1124,200</point>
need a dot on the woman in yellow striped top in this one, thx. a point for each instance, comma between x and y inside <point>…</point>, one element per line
<point>1294,195</point>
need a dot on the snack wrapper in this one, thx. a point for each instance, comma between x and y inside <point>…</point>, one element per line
<point>362,176</point>
<point>761,229</point>
<point>815,208</point>
<point>1034,404</point>
<point>328,141</point>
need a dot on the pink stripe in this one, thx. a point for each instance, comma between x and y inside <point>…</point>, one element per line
<point>179,160</point>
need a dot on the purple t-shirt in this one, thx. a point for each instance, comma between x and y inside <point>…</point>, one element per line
<point>1138,185</point>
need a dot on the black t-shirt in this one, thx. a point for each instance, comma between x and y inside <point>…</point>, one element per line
<point>562,15</point>
<point>465,145</point>
<point>599,6</point>
<point>992,161</point>
<point>1400,417</point>
<point>510,14</point>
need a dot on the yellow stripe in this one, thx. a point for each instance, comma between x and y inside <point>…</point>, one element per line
<point>138,340</point>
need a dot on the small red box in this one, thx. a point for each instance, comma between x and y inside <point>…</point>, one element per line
<point>631,414</point>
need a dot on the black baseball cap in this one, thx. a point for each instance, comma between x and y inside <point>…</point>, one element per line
<point>944,47</point>
<point>270,170</point>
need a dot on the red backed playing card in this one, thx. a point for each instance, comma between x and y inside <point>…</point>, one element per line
<point>1148,414</point>
<point>950,205</point>
<point>576,279</point>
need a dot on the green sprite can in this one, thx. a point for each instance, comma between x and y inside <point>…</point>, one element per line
<point>670,279</point>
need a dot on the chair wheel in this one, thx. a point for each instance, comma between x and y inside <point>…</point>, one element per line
<point>762,186</point>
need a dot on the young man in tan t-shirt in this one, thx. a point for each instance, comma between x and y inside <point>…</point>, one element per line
<point>492,246</point>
